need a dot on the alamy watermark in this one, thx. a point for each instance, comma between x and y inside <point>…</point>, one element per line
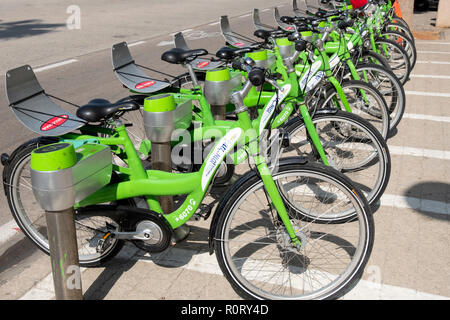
<point>73,22</point>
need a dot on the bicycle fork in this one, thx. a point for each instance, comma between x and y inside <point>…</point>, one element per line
<point>264,171</point>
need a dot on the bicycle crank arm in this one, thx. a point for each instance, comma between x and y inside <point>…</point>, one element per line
<point>135,235</point>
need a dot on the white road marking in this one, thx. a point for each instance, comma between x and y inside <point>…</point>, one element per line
<point>433,62</point>
<point>165,43</point>
<point>245,15</point>
<point>44,289</point>
<point>431,76</point>
<point>214,23</point>
<point>431,42</point>
<point>432,206</point>
<point>426,117</point>
<point>55,65</point>
<point>136,43</point>
<point>203,262</point>
<point>434,52</point>
<point>429,94</point>
<point>420,152</point>
<point>184,31</point>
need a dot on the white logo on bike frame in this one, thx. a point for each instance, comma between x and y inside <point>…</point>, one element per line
<point>309,73</point>
<point>273,103</point>
<point>218,154</point>
<point>334,60</point>
<point>350,45</point>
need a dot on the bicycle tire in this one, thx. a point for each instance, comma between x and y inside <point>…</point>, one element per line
<point>405,41</point>
<point>376,112</point>
<point>397,26</point>
<point>343,135</point>
<point>239,260</point>
<point>385,81</point>
<point>28,214</point>
<point>403,59</point>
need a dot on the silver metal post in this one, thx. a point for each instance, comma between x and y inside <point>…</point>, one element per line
<point>161,160</point>
<point>64,254</point>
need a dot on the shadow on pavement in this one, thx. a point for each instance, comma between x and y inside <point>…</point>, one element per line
<point>434,199</point>
<point>26,28</point>
<point>195,243</point>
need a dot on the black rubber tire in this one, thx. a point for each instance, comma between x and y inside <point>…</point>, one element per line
<point>373,57</point>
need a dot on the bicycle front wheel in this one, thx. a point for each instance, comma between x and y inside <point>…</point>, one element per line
<point>364,100</point>
<point>397,58</point>
<point>405,42</point>
<point>352,146</point>
<point>254,251</point>
<point>388,85</point>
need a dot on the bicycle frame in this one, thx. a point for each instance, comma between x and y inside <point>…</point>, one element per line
<point>135,181</point>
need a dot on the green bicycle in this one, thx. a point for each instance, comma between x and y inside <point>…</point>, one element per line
<point>355,148</point>
<point>264,230</point>
<point>344,61</point>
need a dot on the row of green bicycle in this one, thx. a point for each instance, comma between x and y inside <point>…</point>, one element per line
<point>309,107</point>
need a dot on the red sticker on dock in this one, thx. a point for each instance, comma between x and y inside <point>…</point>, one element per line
<point>202,64</point>
<point>54,122</point>
<point>145,84</point>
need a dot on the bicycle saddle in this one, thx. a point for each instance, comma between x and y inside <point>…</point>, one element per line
<point>178,55</point>
<point>99,109</point>
<point>227,53</point>
<point>266,34</point>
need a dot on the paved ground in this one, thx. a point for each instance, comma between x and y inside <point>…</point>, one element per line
<point>411,256</point>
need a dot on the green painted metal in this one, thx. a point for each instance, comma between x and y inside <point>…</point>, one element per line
<point>258,55</point>
<point>221,74</point>
<point>52,157</point>
<point>160,103</point>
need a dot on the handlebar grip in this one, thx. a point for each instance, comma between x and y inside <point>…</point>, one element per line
<point>256,76</point>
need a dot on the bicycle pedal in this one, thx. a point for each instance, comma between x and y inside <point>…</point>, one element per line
<point>205,212</point>
<point>103,243</point>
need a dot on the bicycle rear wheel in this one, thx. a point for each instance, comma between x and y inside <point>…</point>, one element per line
<point>254,251</point>
<point>30,217</point>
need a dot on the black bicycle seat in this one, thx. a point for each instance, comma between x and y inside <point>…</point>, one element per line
<point>178,55</point>
<point>100,109</point>
<point>227,53</point>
